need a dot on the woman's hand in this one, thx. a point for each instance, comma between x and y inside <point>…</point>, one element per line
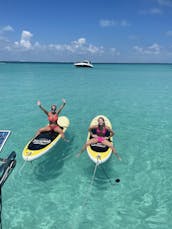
<point>38,103</point>
<point>94,135</point>
<point>64,101</point>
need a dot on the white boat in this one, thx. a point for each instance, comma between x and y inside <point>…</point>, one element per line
<point>84,63</point>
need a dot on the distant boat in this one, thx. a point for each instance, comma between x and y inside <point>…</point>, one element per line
<point>84,63</point>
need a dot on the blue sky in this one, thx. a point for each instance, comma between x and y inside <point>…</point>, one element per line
<point>98,30</point>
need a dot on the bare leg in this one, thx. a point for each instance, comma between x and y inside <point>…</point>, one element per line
<point>46,128</point>
<point>60,131</point>
<point>89,142</point>
<point>110,145</point>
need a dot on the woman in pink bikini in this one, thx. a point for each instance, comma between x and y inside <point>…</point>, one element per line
<point>100,136</point>
<point>52,118</point>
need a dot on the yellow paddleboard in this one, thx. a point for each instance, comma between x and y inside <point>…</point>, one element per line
<point>98,152</point>
<point>44,142</point>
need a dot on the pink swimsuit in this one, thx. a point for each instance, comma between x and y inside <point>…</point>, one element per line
<point>100,139</point>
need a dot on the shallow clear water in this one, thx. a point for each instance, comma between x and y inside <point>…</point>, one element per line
<point>54,191</point>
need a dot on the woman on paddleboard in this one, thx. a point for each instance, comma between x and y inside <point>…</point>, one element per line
<point>100,136</point>
<point>52,118</point>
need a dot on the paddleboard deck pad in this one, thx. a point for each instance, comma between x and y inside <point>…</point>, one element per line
<point>98,152</point>
<point>44,141</point>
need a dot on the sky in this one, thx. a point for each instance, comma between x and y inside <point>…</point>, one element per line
<point>103,31</point>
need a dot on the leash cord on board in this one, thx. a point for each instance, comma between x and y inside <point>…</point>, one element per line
<point>92,181</point>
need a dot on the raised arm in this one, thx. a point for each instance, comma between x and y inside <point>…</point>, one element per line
<point>41,107</point>
<point>62,106</point>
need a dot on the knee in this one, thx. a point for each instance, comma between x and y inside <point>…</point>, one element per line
<point>87,144</point>
<point>111,146</point>
<point>61,132</point>
<point>39,131</point>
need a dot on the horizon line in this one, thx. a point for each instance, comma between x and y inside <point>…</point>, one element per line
<point>70,62</point>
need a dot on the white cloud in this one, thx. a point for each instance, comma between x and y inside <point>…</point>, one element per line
<point>78,46</point>
<point>7,28</point>
<point>55,47</point>
<point>80,42</point>
<point>25,44</point>
<point>81,46</point>
<point>111,23</point>
<point>93,49</point>
<point>25,41</point>
<point>154,49</point>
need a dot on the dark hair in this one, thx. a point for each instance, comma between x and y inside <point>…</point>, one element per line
<point>53,106</point>
<point>103,122</point>
<point>102,119</point>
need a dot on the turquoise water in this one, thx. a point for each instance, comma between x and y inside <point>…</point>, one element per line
<point>58,190</point>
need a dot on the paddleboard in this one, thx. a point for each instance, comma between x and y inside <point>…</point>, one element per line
<point>98,152</point>
<point>44,142</point>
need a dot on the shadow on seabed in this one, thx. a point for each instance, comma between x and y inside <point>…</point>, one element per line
<point>50,165</point>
